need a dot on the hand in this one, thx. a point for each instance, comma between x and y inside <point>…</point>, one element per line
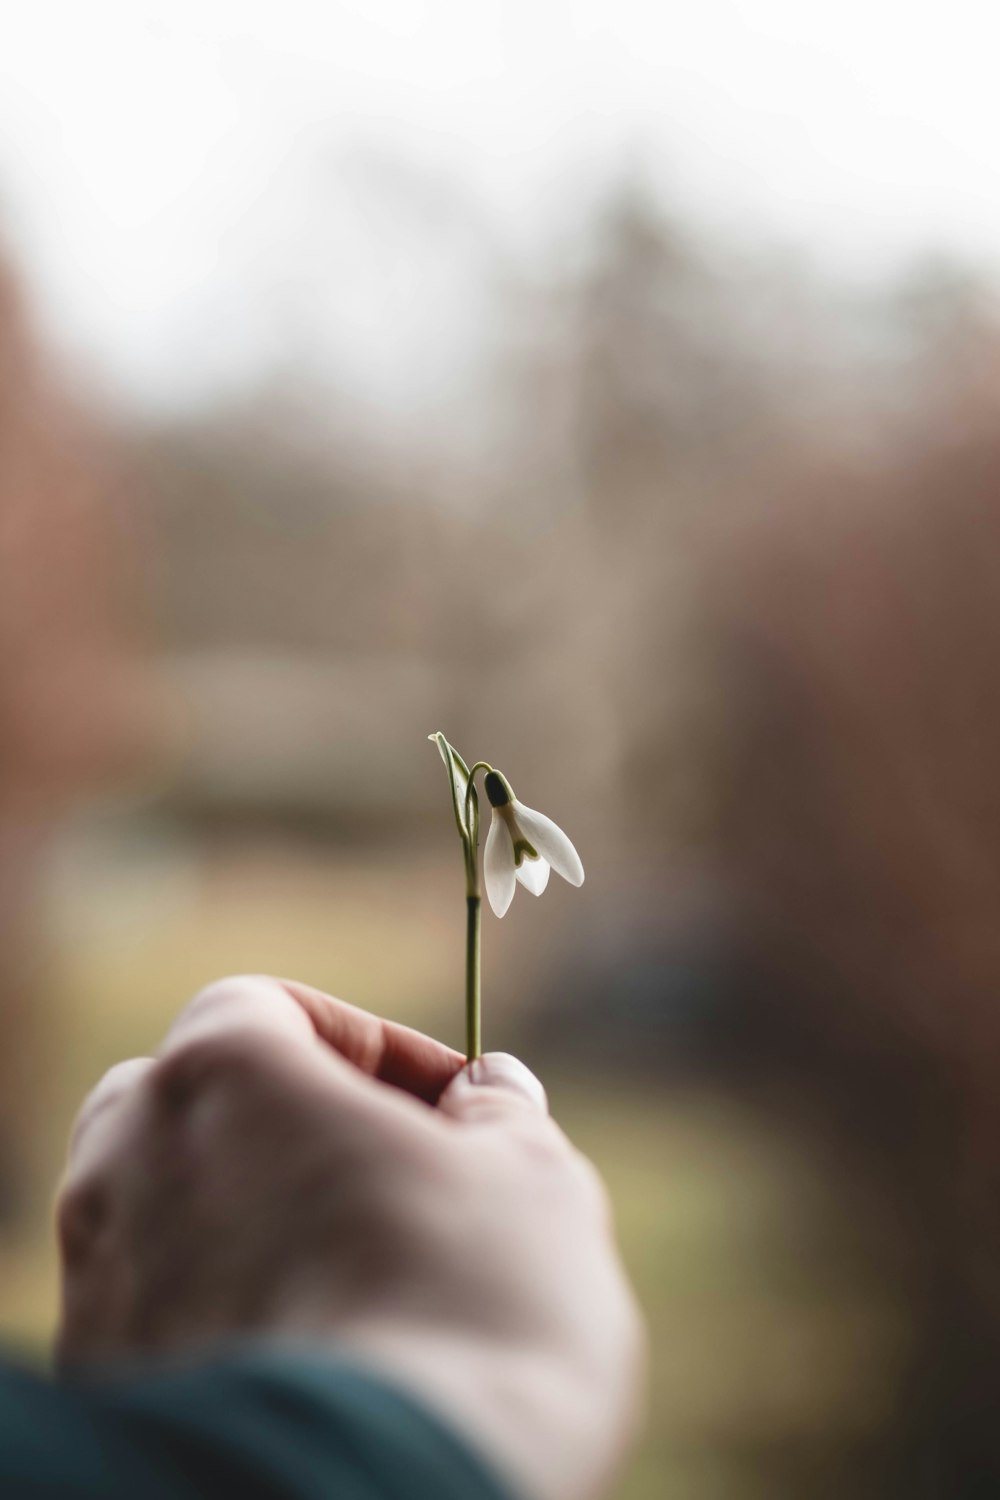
<point>290,1165</point>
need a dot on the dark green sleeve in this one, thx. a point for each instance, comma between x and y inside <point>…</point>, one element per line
<point>256,1424</point>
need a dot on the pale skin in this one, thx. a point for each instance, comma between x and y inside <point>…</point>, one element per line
<point>289,1167</point>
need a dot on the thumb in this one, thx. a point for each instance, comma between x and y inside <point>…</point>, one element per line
<point>494,1088</point>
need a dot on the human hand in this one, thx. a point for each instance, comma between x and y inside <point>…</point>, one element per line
<point>291,1166</point>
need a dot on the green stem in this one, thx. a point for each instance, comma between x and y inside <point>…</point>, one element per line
<point>473,1000</point>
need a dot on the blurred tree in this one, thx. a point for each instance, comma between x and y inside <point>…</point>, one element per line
<point>75,705</point>
<point>863,837</point>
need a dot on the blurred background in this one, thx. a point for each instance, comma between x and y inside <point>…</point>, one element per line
<point>615,388</point>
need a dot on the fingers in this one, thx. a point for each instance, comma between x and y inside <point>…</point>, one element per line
<point>495,1089</point>
<point>258,1007</point>
<point>384,1049</point>
<point>244,1003</point>
<point>299,1013</point>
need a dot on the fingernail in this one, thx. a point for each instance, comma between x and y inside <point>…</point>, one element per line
<point>501,1070</point>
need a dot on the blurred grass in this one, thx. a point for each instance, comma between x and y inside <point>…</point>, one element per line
<point>769,1335</point>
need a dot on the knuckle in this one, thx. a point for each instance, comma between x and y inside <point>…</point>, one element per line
<point>568,1174</point>
<point>543,1153</point>
<point>205,1061</point>
<point>82,1211</point>
<point>116,1085</point>
<point>220,994</point>
<point>593,1187</point>
<point>549,1143</point>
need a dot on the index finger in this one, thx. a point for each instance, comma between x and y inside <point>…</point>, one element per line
<point>384,1050</point>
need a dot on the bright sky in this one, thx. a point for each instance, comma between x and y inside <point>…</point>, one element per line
<point>202,188</point>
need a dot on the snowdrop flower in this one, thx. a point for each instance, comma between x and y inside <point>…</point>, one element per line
<point>522,845</point>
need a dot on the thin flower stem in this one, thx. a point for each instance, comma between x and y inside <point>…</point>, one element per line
<point>473,905</point>
<point>473,996</point>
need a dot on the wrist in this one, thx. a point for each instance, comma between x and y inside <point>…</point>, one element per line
<point>535,1413</point>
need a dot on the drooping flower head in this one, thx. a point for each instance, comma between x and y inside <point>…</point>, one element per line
<point>522,845</point>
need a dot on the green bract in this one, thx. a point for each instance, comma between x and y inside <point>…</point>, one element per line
<point>458,776</point>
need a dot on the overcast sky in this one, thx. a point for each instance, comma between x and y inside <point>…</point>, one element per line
<point>192,185</point>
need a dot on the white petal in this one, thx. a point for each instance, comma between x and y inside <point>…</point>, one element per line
<point>533,875</point>
<point>550,841</point>
<point>498,864</point>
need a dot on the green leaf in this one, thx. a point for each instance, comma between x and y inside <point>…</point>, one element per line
<point>458,776</point>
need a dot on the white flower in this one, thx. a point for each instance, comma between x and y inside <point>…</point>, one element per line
<point>521,846</point>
